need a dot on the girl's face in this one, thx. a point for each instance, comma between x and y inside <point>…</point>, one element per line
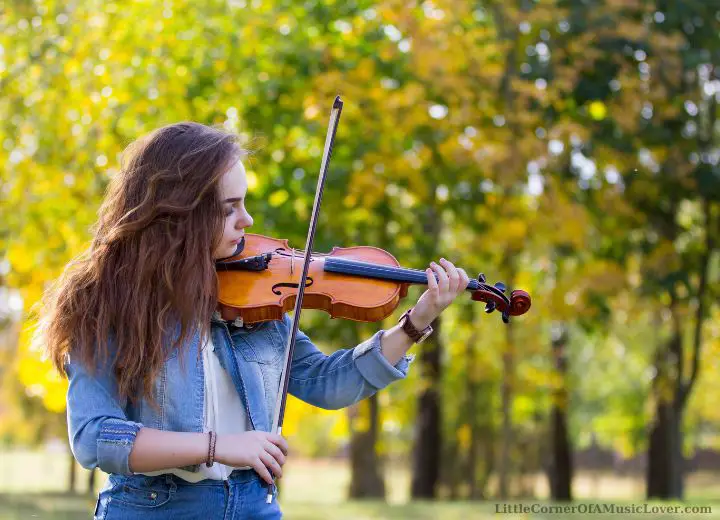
<point>233,190</point>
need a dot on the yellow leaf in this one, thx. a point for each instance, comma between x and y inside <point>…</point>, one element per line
<point>20,258</point>
<point>463,436</point>
<point>54,398</point>
<point>598,111</point>
<point>278,198</point>
<point>340,428</point>
<point>252,179</point>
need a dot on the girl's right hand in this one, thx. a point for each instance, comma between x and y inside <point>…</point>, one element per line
<point>259,450</point>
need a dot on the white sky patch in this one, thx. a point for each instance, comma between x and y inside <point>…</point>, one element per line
<point>536,183</point>
<point>556,147</point>
<point>646,159</point>
<point>442,192</point>
<point>392,32</point>
<point>585,167</point>
<point>612,175</point>
<point>438,111</point>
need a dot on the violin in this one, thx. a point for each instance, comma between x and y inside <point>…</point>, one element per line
<point>361,283</point>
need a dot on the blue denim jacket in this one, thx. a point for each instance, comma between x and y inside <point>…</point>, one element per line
<point>102,428</point>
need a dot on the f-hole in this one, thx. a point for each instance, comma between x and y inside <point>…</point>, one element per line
<point>276,288</point>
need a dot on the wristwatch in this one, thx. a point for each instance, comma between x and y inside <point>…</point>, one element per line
<point>418,336</point>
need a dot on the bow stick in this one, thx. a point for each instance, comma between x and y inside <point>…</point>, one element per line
<point>279,413</point>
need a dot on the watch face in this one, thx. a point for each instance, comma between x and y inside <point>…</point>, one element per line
<point>424,336</point>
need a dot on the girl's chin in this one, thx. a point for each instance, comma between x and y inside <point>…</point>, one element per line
<point>230,250</point>
<point>225,252</point>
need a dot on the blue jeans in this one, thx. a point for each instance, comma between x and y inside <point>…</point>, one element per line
<point>168,496</point>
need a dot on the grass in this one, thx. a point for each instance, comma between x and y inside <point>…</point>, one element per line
<point>31,487</point>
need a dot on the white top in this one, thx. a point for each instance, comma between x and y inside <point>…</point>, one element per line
<point>220,394</point>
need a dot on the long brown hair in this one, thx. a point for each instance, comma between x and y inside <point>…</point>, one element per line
<point>149,268</point>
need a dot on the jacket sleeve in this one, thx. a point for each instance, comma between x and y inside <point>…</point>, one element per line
<point>99,432</point>
<point>344,377</point>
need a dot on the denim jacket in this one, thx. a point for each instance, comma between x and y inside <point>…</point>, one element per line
<point>102,428</point>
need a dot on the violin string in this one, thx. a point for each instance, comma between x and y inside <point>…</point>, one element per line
<point>401,274</point>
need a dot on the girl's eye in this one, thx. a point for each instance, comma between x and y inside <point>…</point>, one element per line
<point>231,208</point>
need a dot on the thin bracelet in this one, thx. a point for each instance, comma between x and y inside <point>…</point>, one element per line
<point>212,454</point>
<point>211,449</point>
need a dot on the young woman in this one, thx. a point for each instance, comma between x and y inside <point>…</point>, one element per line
<point>164,395</point>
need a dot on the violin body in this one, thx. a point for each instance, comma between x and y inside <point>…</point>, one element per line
<point>361,283</point>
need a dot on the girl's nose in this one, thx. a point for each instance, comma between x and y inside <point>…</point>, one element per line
<point>246,220</point>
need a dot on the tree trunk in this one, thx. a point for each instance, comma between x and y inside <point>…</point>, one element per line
<point>428,439</point>
<point>72,474</point>
<point>664,467</point>
<point>664,457</point>
<point>483,440</point>
<point>91,481</point>
<point>449,487</point>
<point>472,414</point>
<point>506,411</point>
<point>561,467</point>
<point>366,480</point>
<point>671,388</point>
<point>479,491</point>
<point>428,422</point>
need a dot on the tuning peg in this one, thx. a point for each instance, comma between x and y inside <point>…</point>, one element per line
<point>481,278</point>
<point>506,316</point>
<point>500,286</point>
<point>489,307</point>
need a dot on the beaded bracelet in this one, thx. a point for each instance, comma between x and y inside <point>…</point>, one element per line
<point>211,449</point>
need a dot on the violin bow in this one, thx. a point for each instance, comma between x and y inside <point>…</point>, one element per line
<point>279,413</point>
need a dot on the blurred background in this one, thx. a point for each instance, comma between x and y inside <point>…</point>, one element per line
<point>565,147</point>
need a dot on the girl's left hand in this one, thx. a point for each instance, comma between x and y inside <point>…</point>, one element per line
<point>451,281</point>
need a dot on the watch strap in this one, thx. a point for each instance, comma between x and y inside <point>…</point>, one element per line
<point>416,335</point>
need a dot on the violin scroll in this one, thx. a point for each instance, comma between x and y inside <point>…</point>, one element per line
<point>494,296</point>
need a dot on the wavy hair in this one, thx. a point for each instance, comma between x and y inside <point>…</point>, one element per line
<point>149,268</point>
